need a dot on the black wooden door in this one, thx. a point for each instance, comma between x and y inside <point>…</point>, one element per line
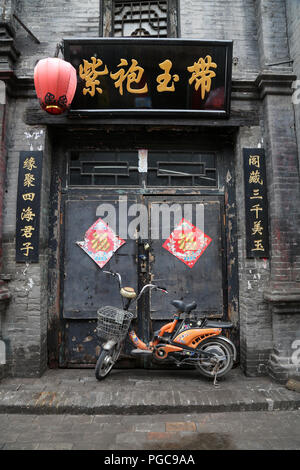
<point>103,178</point>
<point>86,287</point>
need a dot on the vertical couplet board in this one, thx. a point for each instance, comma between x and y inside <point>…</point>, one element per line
<point>256,204</point>
<point>28,207</point>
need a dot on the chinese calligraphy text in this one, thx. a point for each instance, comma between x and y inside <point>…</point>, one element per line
<point>201,73</point>
<point>256,206</point>
<point>28,207</point>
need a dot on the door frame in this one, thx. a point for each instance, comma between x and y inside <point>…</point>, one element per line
<point>58,193</point>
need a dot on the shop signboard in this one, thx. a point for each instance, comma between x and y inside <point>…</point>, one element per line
<point>151,76</point>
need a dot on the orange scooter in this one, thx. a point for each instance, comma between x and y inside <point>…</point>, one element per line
<point>187,342</point>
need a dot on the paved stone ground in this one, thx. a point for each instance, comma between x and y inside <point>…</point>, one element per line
<point>140,391</point>
<point>269,430</point>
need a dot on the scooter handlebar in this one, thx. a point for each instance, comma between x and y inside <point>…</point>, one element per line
<point>153,286</point>
<point>162,289</point>
<point>114,275</point>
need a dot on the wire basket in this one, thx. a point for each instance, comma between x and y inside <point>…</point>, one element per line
<point>113,322</point>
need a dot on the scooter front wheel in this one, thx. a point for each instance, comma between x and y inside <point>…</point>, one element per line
<point>220,363</point>
<point>106,361</point>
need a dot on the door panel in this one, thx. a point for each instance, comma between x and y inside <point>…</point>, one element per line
<point>204,281</point>
<point>86,287</point>
<point>81,345</point>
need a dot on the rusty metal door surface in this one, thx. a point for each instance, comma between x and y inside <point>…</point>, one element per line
<point>203,282</point>
<point>86,287</point>
<point>185,179</point>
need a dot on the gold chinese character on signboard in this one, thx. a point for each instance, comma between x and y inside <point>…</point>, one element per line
<point>257,228</point>
<point>255,177</point>
<point>254,160</point>
<point>29,163</point>
<point>28,196</point>
<point>255,194</point>
<point>27,231</point>
<point>258,246</point>
<point>27,214</point>
<point>133,75</point>
<point>164,79</point>
<point>28,180</point>
<point>256,209</point>
<point>202,74</point>
<point>88,72</point>
<point>26,247</point>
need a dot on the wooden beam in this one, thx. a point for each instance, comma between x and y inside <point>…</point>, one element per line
<point>35,116</point>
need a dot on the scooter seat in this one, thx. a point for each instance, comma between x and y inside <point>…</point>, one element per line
<point>179,305</point>
<point>140,352</point>
<point>190,307</point>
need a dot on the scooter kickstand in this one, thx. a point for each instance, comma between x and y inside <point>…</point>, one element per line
<point>215,371</point>
<point>215,382</point>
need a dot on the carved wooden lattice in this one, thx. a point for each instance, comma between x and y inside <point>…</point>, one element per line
<point>140,18</point>
<point>121,168</point>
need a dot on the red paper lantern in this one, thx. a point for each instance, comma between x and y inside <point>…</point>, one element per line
<point>55,84</point>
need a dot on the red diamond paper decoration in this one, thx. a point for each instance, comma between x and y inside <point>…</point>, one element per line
<point>100,242</point>
<point>187,243</point>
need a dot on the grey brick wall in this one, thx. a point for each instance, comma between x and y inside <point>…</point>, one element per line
<point>231,20</point>
<point>283,187</point>
<point>254,274</point>
<point>50,22</point>
<point>272,32</point>
<point>25,325</point>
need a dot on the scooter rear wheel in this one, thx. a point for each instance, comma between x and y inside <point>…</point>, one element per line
<point>106,361</point>
<point>220,349</point>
